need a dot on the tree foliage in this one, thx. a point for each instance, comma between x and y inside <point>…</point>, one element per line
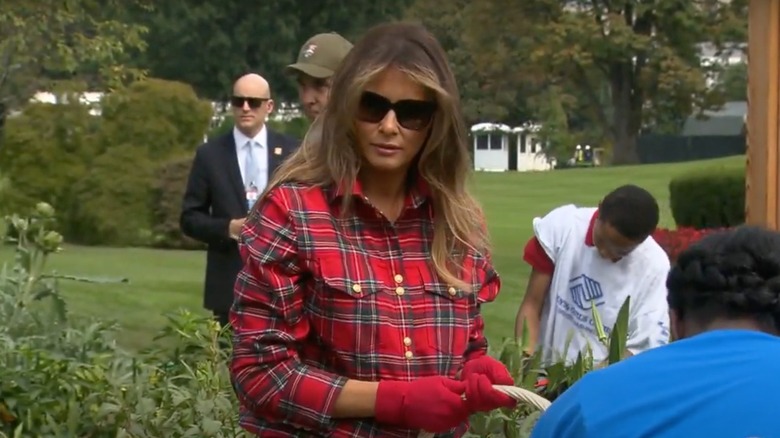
<point>489,92</point>
<point>161,118</point>
<point>209,44</point>
<point>642,55</point>
<point>44,40</point>
<point>46,149</point>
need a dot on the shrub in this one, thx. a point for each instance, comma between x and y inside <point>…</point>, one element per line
<point>145,124</point>
<point>224,126</point>
<point>67,377</point>
<point>46,149</point>
<point>710,198</point>
<point>676,241</point>
<point>166,205</point>
<point>295,127</point>
<point>114,199</point>
<point>162,118</point>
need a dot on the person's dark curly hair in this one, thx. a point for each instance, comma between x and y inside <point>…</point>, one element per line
<point>733,274</point>
<point>631,210</point>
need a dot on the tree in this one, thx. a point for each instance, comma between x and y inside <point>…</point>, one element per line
<point>487,94</point>
<point>44,40</point>
<point>733,81</point>
<point>209,44</point>
<point>645,52</point>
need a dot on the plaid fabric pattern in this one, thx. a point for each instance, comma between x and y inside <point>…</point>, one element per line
<point>325,297</point>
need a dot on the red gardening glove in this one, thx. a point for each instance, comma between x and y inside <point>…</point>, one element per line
<point>481,397</point>
<point>433,404</point>
<point>495,371</point>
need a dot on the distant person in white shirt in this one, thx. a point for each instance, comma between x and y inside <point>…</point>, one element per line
<point>584,257</point>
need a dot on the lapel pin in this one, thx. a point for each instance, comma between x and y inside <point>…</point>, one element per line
<point>277,151</point>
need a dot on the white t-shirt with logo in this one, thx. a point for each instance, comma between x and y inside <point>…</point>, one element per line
<point>582,279</point>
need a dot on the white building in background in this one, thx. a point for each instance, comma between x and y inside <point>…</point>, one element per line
<point>500,148</point>
<point>491,146</point>
<point>89,98</point>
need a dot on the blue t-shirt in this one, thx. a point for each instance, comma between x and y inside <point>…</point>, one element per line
<point>722,383</point>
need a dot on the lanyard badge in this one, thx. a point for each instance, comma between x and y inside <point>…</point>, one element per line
<point>251,196</point>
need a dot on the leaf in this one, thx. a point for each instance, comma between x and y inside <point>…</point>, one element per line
<point>107,409</point>
<point>210,426</point>
<point>617,343</point>
<point>98,280</point>
<point>599,325</point>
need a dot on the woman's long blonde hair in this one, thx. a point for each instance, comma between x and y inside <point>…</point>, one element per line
<point>328,154</point>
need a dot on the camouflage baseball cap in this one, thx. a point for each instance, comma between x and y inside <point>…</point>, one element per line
<point>321,55</point>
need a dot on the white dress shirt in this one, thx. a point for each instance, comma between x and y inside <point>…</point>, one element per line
<point>260,145</point>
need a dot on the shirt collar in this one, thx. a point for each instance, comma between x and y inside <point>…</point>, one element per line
<point>419,193</point>
<point>589,234</point>
<point>240,138</point>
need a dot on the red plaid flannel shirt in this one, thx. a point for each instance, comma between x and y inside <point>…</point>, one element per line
<point>322,299</point>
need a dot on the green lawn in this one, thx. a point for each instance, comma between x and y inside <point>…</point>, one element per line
<point>163,281</point>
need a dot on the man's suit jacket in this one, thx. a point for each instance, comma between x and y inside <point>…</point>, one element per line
<point>214,196</point>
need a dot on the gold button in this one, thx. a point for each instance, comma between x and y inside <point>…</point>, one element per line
<point>398,278</point>
<point>452,291</point>
<point>356,288</point>
<point>399,290</point>
<point>408,354</point>
<point>408,342</point>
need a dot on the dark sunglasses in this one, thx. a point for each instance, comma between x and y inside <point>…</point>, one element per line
<point>410,114</point>
<point>253,102</point>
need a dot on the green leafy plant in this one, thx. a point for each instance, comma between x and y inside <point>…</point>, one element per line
<point>65,376</point>
<point>560,375</point>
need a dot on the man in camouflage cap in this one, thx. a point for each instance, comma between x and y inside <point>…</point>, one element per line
<point>318,59</point>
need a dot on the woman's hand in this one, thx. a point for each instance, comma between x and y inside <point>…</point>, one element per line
<point>433,404</point>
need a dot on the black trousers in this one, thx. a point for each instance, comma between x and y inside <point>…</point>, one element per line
<point>224,320</point>
<point>222,317</point>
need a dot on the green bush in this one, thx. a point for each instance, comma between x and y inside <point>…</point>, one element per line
<point>166,205</point>
<point>114,200</point>
<point>710,198</point>
<point>149,122</point>
<point>225,126</point>
<point>46,149</point>
<point>162,118</point>
<point>66,377</point>
<point>295,128</point>
<point>100,171</point>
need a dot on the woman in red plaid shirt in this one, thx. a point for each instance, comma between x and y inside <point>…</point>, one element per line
<point>357,312</point>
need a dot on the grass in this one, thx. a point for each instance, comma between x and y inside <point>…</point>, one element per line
<point>164,281</point>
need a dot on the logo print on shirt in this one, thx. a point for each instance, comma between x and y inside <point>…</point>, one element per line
<point>585,292</point>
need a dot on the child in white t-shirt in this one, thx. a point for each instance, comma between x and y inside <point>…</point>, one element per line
<point>585,257</point>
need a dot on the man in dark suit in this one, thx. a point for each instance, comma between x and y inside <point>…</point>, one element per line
<point>227,175</point>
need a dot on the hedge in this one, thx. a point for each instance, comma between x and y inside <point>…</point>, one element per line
<point>167,197</point>
<point>46,149</point>
<point>99,171</point>
<point>709,198</point>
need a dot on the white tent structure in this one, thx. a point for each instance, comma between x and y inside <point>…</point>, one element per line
<point>530,153</point>
<point>491,146</point>
<point>500,148</point>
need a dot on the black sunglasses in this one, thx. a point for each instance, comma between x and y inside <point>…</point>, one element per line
<point>253,102</point>
<point>410,114</point>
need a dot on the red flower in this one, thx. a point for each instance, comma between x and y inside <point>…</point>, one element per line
<point>676,241</point>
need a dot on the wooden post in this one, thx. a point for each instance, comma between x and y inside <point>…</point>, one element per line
<point>763,136</point>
